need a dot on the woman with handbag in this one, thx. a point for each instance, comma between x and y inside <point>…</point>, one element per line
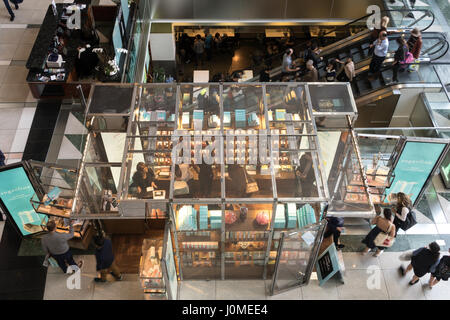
<point>402,210</point>
<point>382,235</point>
<point>423,261</point>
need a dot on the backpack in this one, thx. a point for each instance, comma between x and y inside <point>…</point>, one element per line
<point>443,270</point>
<point>409,58</point>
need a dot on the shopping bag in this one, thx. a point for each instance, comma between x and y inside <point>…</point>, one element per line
<point>383,239</point>
<point>410,220</point>
<point>414,67</point>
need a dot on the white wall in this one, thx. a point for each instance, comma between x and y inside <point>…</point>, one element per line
<point>162,46</point>
<point>406,104</point>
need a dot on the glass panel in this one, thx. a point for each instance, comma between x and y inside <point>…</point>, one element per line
<point>330,98</point>
<point>351,195</point>
<point>112,99</point>
<point>246,231</point>
<point>198,230</point>
<point>157,106</point>
<point>199,107</point>
<point>149,176</point>
<point>296,257</point>
<point>243,107</point>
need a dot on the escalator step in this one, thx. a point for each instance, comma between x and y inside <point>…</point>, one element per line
<point>357,57</point>
<point>364,86</point>
<point>376,83</point>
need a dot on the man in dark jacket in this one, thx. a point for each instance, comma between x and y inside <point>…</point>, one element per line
<point>2,159</point>
<point>105,259</point>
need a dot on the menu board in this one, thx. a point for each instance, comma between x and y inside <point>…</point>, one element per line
<point>327,264</point>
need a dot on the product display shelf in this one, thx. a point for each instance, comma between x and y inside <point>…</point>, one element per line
<point>193,236</point>
<point>79,227</point>
<point>59,208</point>
<point>246,236</point>
<point>250,224</point>
<point>246,246</point>
<point>150,272</point>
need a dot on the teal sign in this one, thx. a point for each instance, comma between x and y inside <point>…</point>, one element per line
<point>16,191</point>
<point>414,166</point>
<point>327,264</point>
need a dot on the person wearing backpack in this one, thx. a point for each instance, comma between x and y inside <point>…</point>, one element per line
<point>401,211</point>
<point>383,223</point>
<point>399,57</point>
<point>423,260</point>
<point>442,271</point>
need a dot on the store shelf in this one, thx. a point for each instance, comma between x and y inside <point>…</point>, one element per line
<point>252,246</point>
<point>249,224</point>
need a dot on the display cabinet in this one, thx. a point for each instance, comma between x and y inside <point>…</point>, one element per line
<point>157,269</point>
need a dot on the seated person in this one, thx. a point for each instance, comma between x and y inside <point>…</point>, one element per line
<point>143,178</point>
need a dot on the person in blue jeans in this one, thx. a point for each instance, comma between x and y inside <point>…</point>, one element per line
<point>55,244</point>
<point>8,7</point>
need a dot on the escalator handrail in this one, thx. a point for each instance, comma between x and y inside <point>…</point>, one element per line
<point>356,20</point>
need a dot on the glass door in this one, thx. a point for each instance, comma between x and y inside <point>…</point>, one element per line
<point>296,257</point>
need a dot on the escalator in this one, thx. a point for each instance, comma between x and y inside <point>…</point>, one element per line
<point>357,39</point>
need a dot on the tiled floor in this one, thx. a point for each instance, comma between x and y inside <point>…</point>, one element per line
<point>366,278</point>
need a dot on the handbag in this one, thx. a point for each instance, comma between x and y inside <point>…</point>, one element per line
<point>410,220</point>
<point>180,188</point>
<point>251,187</point>
<point>383,239</point>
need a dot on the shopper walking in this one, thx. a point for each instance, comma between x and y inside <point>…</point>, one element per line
<point>415,43</point>
<point>442,271</point>
<point>288,68</point>
<point>199,49</point>
<point>423,261</point>
<point>208,45</point>
<point>105,260</point>
<point>401,210</point>
<point>311,74</point>
<point>380,46</point>
<point>330,70</point>
<point>383,223</point>
<point>55,245</point>
<point>399,57</point>
<point>335,225</point>
<point>349,70</point>
<point>8,7</point>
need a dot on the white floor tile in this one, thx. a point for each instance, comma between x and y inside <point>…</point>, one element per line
<point>362,285</point>
<point>440,291</point>
<point>74,126</point>
<point>127,289</point>
<point>240,290</point>
<point>197,290</point>
<point>20,140</point>
<point>68,150</point>
<point>422,228</point>
<point>56,287</point>
<point>390,260</point>
<point>398,287</point>
<point>443,228</point>
<point>315,292</point>
<point>292,294</point>
<point>355,261</point>
<point>26,119</point>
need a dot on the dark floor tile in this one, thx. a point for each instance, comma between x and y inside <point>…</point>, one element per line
<point>417,241</point>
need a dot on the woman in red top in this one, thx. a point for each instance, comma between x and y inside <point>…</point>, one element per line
<point>415,43</point>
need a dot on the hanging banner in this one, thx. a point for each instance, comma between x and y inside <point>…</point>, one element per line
<point>413,168</point>
<point>16,191</point>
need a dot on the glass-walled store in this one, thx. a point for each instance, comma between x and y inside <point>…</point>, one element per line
<point>232,166</point>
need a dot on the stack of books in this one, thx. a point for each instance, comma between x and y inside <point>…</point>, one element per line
<point>203,217</point>
<point>280,218</point>
<point>198,119</point>
<point>215,217</point>
<point>187,218</point>
<point>291,215</point>
<point>186,120</point>
<point>240,118</point>
<point>305,216</point>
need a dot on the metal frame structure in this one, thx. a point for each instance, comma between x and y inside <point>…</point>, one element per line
<point>307,104</point>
